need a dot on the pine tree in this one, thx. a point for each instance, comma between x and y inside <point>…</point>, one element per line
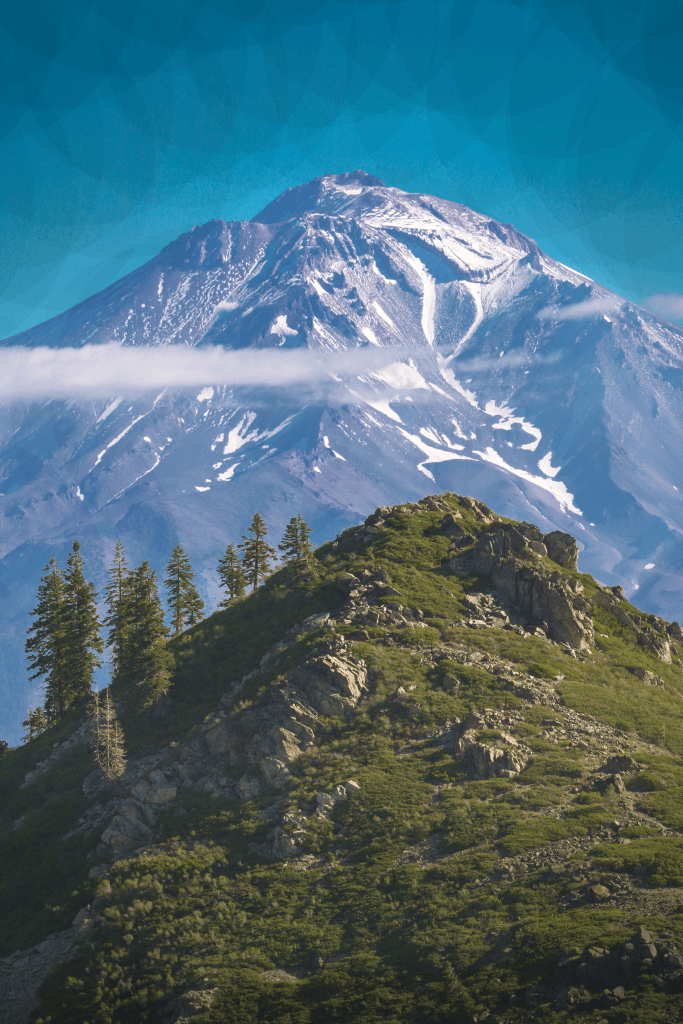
<point>34,723</point>
<point>289,546</point>
<point>296,545</point>
<point>230,572</point>
<point>81,627</point>
<point>147,660</point>
<point>305,550</point>
<point>109,751</point>
<point>185,603</point>
<point>257,554</point>
<point>45,647</point>
<point>117,598</point>
<point>194,606</point>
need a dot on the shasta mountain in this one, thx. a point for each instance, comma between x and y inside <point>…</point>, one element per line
<point>496,372</point>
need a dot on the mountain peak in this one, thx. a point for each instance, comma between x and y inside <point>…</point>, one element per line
<point>304,198</point>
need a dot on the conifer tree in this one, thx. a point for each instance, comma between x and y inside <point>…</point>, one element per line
<point>45,647</point>
<point>257,554</point>
<point>83,642</point>
<point>147,660</point>
<point>305,532</point>
<point>109,751</point>
<point>34,723</point>
<point>289,545</point>
<point>296,545</point>
<point>117,594</point>
<point>230,572</point>
<point>186,605</point>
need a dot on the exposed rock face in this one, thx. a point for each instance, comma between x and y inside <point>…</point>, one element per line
<point>23,972</point>
<point>485,761</point>
<point>133,821</point>
<point>539,600</point>
<point>271,735</point>
<point>562,548</point>
<point>647,638</point>
<point>330,683</point>
<point>81,737</point>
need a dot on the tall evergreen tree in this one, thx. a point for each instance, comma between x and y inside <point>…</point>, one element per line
<point>289,545</point>
<point>117,594</point>
<point>147,660</point>
<point>186,605</point>
<point>34,723</point>
<point>45,647</point>
<point>81,626</point>
<point>257,554</point>
<point>230,572</point>
<point>305,550</point>
<point>109,751</point>
<point>296,546</point>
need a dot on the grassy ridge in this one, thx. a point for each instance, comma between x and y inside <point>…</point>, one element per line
<point>372,933</point>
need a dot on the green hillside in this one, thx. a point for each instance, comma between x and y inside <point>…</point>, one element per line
<point>431,774</point>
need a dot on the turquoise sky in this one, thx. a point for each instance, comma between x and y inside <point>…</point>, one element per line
<point>125,123</point>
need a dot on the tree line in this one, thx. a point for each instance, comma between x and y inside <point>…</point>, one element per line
<point>66,640</point>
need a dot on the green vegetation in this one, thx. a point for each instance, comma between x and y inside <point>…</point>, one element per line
<point>429,894</point>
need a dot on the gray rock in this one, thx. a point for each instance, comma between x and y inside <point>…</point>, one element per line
<point>649,678</point>
<point>552,603</point>
<point>22,973</point>
<point>132,822</point>
<point>155,789</point>
<point>314,622</point>
<point>620,763</point>
<point>674,630</point>
<point>562,548</point>
<point>656,645</point>
<point>190,1004</point>
<point>249,787</point>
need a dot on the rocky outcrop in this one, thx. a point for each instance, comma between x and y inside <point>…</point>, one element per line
<point>611,971</point>
<point>189,1004</point>
<point>562,548</point>
<point>330,683</point>
<point>505,759</point>
<point>541,602</point>
<point>269,736</point>
<point>654,642</point>
<point>132,822</point>
<point>22,973</point>
<point>81,737</point>
<point>285,841</point>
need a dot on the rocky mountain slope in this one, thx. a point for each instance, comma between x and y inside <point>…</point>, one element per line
<point>501,373</point>
<point>432,774</point>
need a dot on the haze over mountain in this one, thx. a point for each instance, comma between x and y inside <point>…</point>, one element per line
<point>435,343</point>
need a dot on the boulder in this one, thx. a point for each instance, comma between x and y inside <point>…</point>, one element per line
<point>656,644</point>
<point>674,630</point>
<point>221,740</point>
<point>346,582</point>
<point>314,622</point>
<point>249,787</point>
<point>620,763</point>
<point>649,678</point>
<point>133,822</point>
<point>562,548</point>
<point>155,789</point>
<point>286,844</point>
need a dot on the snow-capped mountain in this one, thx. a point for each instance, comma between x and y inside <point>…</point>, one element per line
<point>498,372</point>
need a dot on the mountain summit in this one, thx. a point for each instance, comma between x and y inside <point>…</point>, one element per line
<point>458,352</point>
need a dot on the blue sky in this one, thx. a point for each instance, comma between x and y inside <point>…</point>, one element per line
<point>125,123</point>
